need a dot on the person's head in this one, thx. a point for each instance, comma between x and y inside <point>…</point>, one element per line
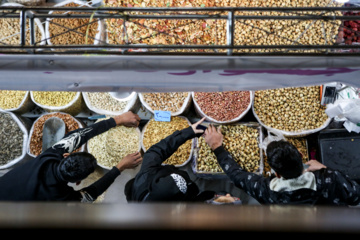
<point>174,186</point>
<point>284,158</point>
<point>77,166</point>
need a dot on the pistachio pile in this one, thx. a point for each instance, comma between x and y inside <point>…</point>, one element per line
<point>241,141</point>
<point>292,109</point>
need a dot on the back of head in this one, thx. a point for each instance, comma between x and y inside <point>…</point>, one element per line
<point>284,158</point>
<point>172,186</point>
<point>77,166</point>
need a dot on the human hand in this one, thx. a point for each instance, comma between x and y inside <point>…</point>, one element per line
<point>128,119</point>
<point>314,165</point>
<point>194,126</point>
<point>131,160</point>
<point>213,137</point>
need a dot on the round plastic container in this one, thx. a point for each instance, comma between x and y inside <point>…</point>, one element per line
<point>163,102</point>
<point>132,104</point>
<point>38,23</point>
<point>25,105</point>
<point>113,145</point>
<point>208,118</point>
<point>37,141</point>
<point>99,35</point>
<point>74,107</point>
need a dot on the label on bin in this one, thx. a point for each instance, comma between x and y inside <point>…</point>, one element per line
<point>162,116</point>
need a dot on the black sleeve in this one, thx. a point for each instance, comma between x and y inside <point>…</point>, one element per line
<point>92,192</point>
<point>162,150</point>
<point>75,139</point>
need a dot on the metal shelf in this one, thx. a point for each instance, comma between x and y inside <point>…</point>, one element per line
<point>228,14</point>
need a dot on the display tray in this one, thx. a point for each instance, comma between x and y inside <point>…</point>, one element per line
<point>340,150</point>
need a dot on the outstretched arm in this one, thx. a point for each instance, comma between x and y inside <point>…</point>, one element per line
<point>75,139</point>
<point>92,192</point>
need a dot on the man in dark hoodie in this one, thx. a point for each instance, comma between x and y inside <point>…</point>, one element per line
<point>292,183</point>
<point>46,177</point>
<point>156,182</point>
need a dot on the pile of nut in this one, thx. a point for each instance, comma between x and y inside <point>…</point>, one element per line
<point>35,142</point>
<point>10,99</point>
<point>72,31</point>
<point>59,101</point>
<point>292,109</point>
<point>10,32</point>
<point>53,98</point>
<point>11,139</point>
<point>113,145</point>
<point>165,101</point>
<point>240,140</point>
<point>223,106</point>
<point>155,131</point>
<point>213,31</point>
<point>104,101</point>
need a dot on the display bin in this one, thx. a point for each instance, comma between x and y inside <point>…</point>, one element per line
<point>282,106</point>
<point>339,150</point>
<point>113,145</point>
<point>154,131</point>
<point>165,100</point>
<point>25,105</point>
<point>200,111</point>
<point>34,142</point>
<point>81,36</point>
<point>113,107</point>
<point>73,107</point>
<point>236,152</point>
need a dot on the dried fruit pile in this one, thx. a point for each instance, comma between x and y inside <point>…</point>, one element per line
<point>213,31</point>
<point>351,29</point>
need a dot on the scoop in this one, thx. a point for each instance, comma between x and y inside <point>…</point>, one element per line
<point>53,131</point>
<point>122,96</point>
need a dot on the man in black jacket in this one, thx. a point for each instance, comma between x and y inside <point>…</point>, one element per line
<point>292,184</point>
<point>46,177</point>
<point>165,183</point>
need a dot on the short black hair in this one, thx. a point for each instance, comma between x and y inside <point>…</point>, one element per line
<point>284,158</point>
<point>77,166</point>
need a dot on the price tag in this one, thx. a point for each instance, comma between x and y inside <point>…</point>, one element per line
<point>162,116</point>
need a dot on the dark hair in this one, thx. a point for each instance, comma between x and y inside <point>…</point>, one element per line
<point>77,166</point>
<point>285,159</point>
